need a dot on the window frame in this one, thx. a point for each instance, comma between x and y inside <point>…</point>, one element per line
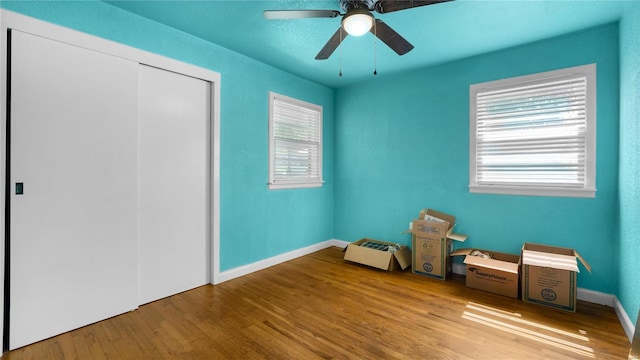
<point>312,182</point>
<point>589,188</point>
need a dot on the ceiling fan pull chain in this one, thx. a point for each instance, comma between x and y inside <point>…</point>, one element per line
<point>375,49</point>
<point>340,52</point>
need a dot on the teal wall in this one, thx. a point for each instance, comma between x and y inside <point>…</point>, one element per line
<point>629,252</point>
<point>255,223</point>
<point>403,144</point>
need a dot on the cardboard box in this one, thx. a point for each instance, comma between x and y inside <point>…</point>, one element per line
<point>499,274</point>
<point>431,243</point>
<point>549,276</point>
<point>377,255</point>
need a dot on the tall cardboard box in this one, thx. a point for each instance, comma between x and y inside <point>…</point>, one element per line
<point>431,243</point>
<point>549,276</point>
<point>498,274</point>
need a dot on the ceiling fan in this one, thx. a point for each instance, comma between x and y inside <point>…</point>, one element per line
<point>357,21</point>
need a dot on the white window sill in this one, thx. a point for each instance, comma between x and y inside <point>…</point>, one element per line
<point>283,186</point>
<point>532,191</point>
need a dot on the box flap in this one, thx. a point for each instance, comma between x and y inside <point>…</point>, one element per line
<point>457,237</point>
<point>548,249</point>
<point>461,252</point>
<point>500,261</point>
<point>431,228</point>
<point>403,256</point>
<point>583,261</point>
<point>433,222</point>
<point>358,242</point>
<point>495,264</point>
<point>376,258</point>
<point>550,260</point>
<point>450,235</point>
<point>440,215</point>
<point>558,251</point>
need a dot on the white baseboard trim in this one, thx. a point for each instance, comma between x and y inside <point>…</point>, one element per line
<point>339,243</point>
<point>625,321</point>
<point>263,264</point>
<point>595,297</point>
<point>591,296</point>
<point>460,269</point>
<point>583,294</point>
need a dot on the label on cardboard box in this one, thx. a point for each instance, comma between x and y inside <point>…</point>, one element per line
<point>430,256</point>
<point>549,275</point>
<point>497,274</point>
<point>429,228</point>
<point>548,286</point>
<point>497,282</point>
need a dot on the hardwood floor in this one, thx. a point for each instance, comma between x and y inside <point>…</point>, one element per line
<point>321,307</point>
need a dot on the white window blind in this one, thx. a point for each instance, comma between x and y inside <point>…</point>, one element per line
<point>535,135</point>
<point>295,132</point>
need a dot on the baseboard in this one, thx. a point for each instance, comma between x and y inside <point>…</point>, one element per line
<point>459,268</point>
<point>339,243</point>
<point>595,297</point>
<point>275,260</point>
<point>591,296</point>
<point>625,321</point>
<point>583,294</point>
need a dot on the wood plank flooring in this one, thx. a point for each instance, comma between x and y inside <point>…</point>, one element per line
<point>321,307</point>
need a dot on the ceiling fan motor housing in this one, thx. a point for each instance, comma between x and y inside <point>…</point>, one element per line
<point>354,4</point>
<point>358,20</point>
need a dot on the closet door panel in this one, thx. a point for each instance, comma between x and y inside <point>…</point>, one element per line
<point>73,246</point>
<point>174,118</point>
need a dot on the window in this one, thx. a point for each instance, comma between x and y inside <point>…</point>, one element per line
<point>295,143</point>
<point>535,134</point>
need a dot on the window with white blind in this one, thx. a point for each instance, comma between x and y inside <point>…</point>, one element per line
<point>295,143</point>
<point>535,134</point>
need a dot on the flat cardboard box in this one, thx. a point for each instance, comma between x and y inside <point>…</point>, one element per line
<point>431,243</point>
<point>383,260</point>
<point>549,276</point>
<point>499,275</point>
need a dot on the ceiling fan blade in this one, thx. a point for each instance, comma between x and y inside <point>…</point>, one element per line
<point>299,14</point>
<point>390,37</point>
<point>387,6</point>
<point>332,44</point>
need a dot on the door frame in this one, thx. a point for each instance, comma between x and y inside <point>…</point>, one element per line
<point>12,20</point>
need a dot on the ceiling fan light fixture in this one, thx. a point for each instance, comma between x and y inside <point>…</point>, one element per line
<point>357,22</point>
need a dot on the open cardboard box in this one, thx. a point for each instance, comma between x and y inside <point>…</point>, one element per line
<point>372,256</point>
<point>549,275</point>
<point>431,243</point>
<point>499,274</point>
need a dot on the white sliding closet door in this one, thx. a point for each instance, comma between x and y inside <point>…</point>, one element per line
<point>73,253</point>
<point>173,124</point>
